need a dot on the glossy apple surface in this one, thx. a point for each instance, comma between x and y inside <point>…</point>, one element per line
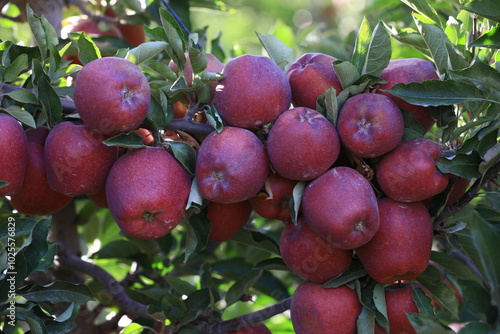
<point>14,154</point>
<point>227,219</point>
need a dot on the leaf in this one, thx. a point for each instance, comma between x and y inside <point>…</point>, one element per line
<point>490,158</point>
<point>346,72</point>
<point>275,263</point>
<point>485,8</point>
<point>23,96</point>
<point>58,292</point>
<point>13,70</point>
<point>172,306</point>
<point>361,45</point>
<point>379,52</point>
<point>279,52</point>
<point>464,165</point>
<point>425,324</point>
<point>45,93</point>
<point>195,198</point>
<point>145,52</point>
<point>327,105</point>
<point>444,295</point>
<point>121,249</point>
<point>366,321</point>
<point>87,49</point>
<point>298,191</point>
<point>241,286</point>
<point>355,271</point>
<point>489,39</point>
<point>214,119</point>
<point>175,37</point>
<point>4,184</point>
<point>217,49</point>
<point>199,300</point>
<point>198,229</point>
<point>180,285</point>
<point>197,56</point>
<point>126,140</point>
<point>185,154</point>
<point>21,115</point>
<point>257,240</point>
<point>133,328</point>
<point>44,33</point>
<point>481,75</point>
<point>423,8</point>
<point>454,266</point>
<point>423,302</point>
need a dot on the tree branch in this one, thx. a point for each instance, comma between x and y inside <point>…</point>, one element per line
<point>465,199</point>
<point>112,286</point>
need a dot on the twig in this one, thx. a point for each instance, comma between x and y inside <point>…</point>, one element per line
<point>112,286</point>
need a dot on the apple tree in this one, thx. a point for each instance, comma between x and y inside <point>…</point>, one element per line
<point>153,180</point>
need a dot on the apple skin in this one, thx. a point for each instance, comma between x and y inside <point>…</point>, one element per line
<point>232,166</point>
<point>275,205</point>
<point>370,125</point>
<point>36,197</point>
<point>405,227</point>
<point>315,309</point>
<point>14,153</point>
<point>405,71</point>
<point>76,160</point>
<point>147,191</point>
<point>310,76</point>
<point>146,136</point>
<point>341,207</point>
<point>112,95</point>
<point>257,328</point>
<point>253,92</point>
<point>408,173</point>
<point>99,198</point>
<point>399,301</point>
<point>305,157</point>
<point>311,257</point>
<point>227,219</point>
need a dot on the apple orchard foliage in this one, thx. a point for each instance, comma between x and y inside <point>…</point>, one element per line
<point>187,275</point>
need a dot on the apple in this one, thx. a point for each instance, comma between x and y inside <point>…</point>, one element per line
<point>146,136</point>
<point>315,309</point>
<point>408,173</point>
<point>132,33</point>
<point>147,191</point>
<point>341,207</point>
<point>310,76</point>
<point>14,153</point>
<point>405,71</point>
<point>370,125</point>
<point>257,328</point>
<point>112,95</point>
<point>99,198</point>
<point>311,257</point>
<point>76,160</point>
<point>253,92</point>
<point>232,166</point>
<point>401,248</point>
<point>399,301</point>
<point>274,204</point>
<point>302,144</point>
<point>227,219</point>
<point>36,197</point>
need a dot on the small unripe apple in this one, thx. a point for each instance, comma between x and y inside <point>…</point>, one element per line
<point>311,257</point>
<point>227,219</point>
<point>253,92</point>
<point>310,76</point>
<point>370,125</point>
<point>36,197</point>
<point>315,309</point>
<point>112,95</point>
<point>76,160</point>
<point>302,144</point>
<point>13,153</point>
<point>409,173</point>
<point>341,207</point>
<point>147,191</point>
<point>232,165</point>
<point>401,248</point>
<point>399,301</point>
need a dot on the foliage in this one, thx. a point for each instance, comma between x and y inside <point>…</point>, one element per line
<point>187,283</point>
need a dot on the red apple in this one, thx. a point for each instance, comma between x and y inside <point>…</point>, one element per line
<point>14,154</point>
<point>227,219</point>
<point>311,257</point>
<point>370,125</point>
<point>315,309</point>
<point>232,165</point>
<point>36,197</point>
<point>146,136</point>
<point>253,92</point>
<point>275,204</point>
<point>399,301</point>
<point>401,248</point>
<point>257,328</point>
<point>406,71</point>
<point>341,207</point>
<point>112,95</point>
<point>408,173</point>
<point>147,191</point>
<point>302,144</point>
<point>310,76</point>
<point>99,198</point>
<point>76,160</point>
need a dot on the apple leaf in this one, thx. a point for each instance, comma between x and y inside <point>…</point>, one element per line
<point>257,240</point>
<point>327,105</point>
<point>366,321</point>
<point>4,184</point>
<point>185,154</point>
<point>175,38</point>
<point>275,263</point>
<point>426,324</point>
<point>279,52</point>
<point>87,49</point>
<point>45,93</point>
<point>145,51</point>
<point>214,118</point>
<point>378,53</point>
<point>21,115</point>
<point>410,38</point>
<point>490,158</point>
<point>23,96</point>
<point>217,49</point>
<point>296,199</point>
<point>454,266</point>
<point>346,72</point>
<point>481,75</point>
<point>489,39</point>
<point>156,33</point>
<point>197,56</point>
<point>361,45</point>
<point>126,140</point>
<point>424,303</point>
<point>57,292</point>
<point>355,271</point>
<point>485,8</point>
<point>464,165</point>
<point>180,285</point>
<point>241,286</point>
<point>195,200</point>
<point>198,229</point>
<point>444,295</point>
<point>423,8</point>
<point>173,307</point>
<point>12,71</point>
<point>43,32</point>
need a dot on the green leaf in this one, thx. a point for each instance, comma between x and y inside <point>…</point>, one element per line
<point>133,328</point>
<point>173,307</point>
<point>257,240</point>
<point>296,199</point>
<point>485,8</point>
<point>87,49</point>
<point>279,52</point>
<point>195,199</point>
<point>489,39</point>
<point>180,285</point>
<point>423,8</point>
<point>217,49</point>
<point>214,119</point>
<point>4,184</point>
<point>355,271</point>
<point>454,266</point>
<point>23,96</point>
<point>379,52</point>
<point>366,321</point>
<point>145,51</point>
<point>490,158</point>
<point>425,324</point>
<point>200,299</point>
<point>121,249</point>
<point>176,38</point>
<point>241,286</point>
<point>475,328</point>
<point>444,295</point>
<point>275,263</point>
<point>464,165</point>
<point>126,140</point>
<point>185,154</point>
<point>13,70</point>
<point>361,45</point>
<point>481,75</point>
<point>36,246</point>
<point>21,115</point>
<point>45,93</point>
<point>58,292</point>
<point>346,72</point>
<point>197,56</point>
<point>423,302</point>
<point>198,230</point>
<point>44,33</point>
